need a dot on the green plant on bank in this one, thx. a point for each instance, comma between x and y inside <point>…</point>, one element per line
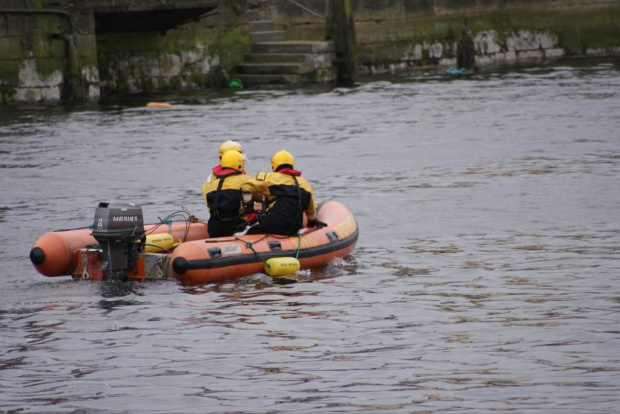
<point>230,52</point>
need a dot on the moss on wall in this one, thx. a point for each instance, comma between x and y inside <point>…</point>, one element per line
<point>39,47</point>
<point>186,58</point>
<point>9,79</point>
<point>9,72</point>
<point>203,54</point>
<point>231,49</point>
<point>577,30</point>
<point>46,43</point>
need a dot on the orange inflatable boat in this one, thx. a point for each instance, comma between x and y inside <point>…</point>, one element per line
<point>118,246</point>
<point>223,258</point>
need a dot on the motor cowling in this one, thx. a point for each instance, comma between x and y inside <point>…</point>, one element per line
<point>118,228</point>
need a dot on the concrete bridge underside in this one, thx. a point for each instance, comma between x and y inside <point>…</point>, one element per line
<point>125,16</point>
<point>60,50</point>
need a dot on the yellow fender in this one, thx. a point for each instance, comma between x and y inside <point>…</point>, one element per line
<point>282,266</point>
<point>158,243</point>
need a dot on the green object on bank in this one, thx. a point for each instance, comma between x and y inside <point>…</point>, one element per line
<point>235,83</point>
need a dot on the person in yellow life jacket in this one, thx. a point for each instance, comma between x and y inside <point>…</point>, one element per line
<point>223,197</point>
<point>288,196</point>
<point>226,146</point>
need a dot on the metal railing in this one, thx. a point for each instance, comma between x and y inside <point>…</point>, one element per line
<point>301,6</point>
<point>312,12</point>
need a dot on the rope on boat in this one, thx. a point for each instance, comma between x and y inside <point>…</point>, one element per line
<point>250,246</point>
<point>298,245</point>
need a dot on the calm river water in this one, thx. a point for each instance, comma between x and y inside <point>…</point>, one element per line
<point>486,277</point>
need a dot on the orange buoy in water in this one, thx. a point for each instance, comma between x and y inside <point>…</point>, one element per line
<point>158,105</point>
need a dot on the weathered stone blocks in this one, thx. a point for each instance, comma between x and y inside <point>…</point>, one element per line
<point>42,54</point>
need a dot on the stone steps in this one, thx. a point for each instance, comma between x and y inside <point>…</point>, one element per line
<point>257,80</point>
<point>267,36</point>
<point>281,68</point>
<point>293,46</point>
<point>260,26</point>
<point>276,57</point>
<point>273,60</point>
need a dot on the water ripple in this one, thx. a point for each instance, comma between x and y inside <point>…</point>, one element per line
<point>485,278</point>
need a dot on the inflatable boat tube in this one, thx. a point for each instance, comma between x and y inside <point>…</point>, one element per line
<point>56,253</point>
<point>217,259</point>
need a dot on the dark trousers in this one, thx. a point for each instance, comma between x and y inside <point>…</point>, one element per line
<point>271,224</point>
<point>219,228</point>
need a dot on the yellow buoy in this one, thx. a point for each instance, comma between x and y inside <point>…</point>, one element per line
<point>282,266</point>
<point>158,105</point>
<point>157,243</point>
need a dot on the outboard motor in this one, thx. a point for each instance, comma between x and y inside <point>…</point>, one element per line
<point>118,228</point>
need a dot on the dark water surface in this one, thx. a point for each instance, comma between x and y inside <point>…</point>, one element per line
<point>486,278</point>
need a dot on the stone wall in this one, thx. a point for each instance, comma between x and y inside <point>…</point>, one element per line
<point>189,58</point>
<point>55,55</point>
<point>46,55</point>
<point>395,34</point>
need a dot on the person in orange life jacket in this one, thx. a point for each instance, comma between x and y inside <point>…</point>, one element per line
<point>227,145</point>
<point>223,197</point>
<point>288,196</point>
